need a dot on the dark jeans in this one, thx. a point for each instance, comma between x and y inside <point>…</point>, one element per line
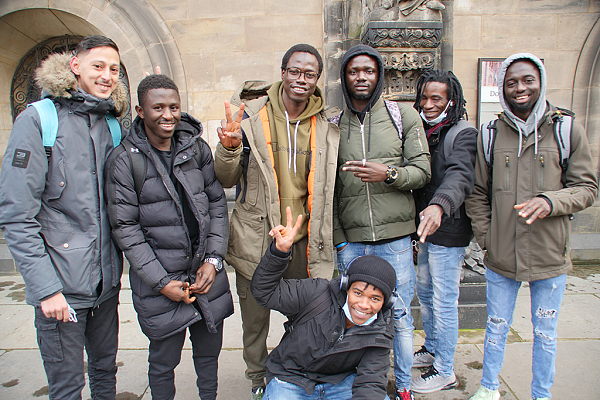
<point>165,355</point>
<point>61,345</point>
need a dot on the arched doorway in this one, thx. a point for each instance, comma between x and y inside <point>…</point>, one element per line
<point>23,89</point>
<point>586,105</point>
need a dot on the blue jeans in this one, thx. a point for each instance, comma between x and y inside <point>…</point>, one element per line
<point>399,254</point>
<point>438,281</point>
<point>281,390</point>
<point>546,297</point>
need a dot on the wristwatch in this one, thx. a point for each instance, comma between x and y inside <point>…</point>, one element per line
<point>391,174</point>
<point>216,262</point>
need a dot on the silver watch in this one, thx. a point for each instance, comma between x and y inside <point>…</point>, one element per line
<point>216,262</point>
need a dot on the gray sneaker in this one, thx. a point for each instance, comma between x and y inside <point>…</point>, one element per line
<point>431,381</point>
<point>257,393</point>
<point>423,358</point>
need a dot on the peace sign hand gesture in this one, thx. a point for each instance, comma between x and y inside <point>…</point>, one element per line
<point>284,235</point>
<point>230,133</point>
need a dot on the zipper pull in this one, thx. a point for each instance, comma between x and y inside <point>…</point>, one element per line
<point>507,159</point>
<point>542,160</point>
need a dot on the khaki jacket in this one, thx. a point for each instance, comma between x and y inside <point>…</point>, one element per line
<point>540,250</point>
<point>251,221</point>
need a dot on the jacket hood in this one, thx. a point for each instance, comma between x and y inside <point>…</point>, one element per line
<point>55,78</point>
<point>537,113</point>
<point>354,51</point>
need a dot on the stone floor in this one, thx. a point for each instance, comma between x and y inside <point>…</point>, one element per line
<point>577,365</point>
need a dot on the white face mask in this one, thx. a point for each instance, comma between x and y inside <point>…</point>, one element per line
<point>347,312</point>
<point>439,118</point>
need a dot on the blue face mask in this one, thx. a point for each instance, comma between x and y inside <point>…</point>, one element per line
<point>439,118</point>
<point>347,312</point>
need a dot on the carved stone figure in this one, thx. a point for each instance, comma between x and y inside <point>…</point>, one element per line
<point>408,36</point>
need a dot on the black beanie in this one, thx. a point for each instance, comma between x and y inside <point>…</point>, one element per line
<point>374,270</point>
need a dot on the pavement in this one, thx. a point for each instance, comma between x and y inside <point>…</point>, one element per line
<point>577,364</point>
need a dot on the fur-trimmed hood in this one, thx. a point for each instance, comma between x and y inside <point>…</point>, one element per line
<point>55,78</point>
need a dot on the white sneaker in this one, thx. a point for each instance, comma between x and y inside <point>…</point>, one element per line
<point>431,381</point>
<point>423,358</point>
<point>486,394</point>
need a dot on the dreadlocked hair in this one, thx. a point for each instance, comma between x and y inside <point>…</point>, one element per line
<point>454,93</point>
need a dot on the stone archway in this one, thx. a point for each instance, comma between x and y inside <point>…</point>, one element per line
<point>586,105</point>
<point>138,29</point>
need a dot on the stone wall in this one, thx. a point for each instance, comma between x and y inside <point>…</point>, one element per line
<point>224,43</point>
<point>208,47</point>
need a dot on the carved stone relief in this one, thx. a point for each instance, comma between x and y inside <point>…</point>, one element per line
<point>408,36</point>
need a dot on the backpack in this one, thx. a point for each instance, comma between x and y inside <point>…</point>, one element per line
<point>452,133</point>
<point>563,129</point>
<point>139,162</point>
<point>392,109</point>
<point>49,122</point>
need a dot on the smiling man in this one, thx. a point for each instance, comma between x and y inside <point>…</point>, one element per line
<point>443,226</point>
<point>374,210</point>
<point>169,215</point>
<point>521,207</point>
<point>338,346</point>
<point>53,214</point>
<point>281,154</point>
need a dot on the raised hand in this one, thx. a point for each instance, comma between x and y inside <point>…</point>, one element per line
<point>157,71</point>
<point>284,235</point>
<point>230,133</point>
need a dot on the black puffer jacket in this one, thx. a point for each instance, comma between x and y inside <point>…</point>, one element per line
<point>152,232</point>
<point>321,349</point>
<point>452,180</point>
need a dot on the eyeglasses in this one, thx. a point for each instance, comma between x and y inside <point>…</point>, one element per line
<point>295,73</point>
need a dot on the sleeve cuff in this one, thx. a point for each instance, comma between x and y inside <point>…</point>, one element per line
<point>547,201</point>
<point>443,201</point>
<point>278,253</point>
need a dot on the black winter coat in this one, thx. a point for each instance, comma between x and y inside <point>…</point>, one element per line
<point>151,230</point>
<point>321,350</point>
<point>452,180</point>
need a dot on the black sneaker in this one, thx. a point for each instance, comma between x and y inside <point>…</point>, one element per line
<point>423,358</point>
<point>431,381</point>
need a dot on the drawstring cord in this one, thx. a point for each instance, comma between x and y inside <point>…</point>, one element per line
<point>290,144</point>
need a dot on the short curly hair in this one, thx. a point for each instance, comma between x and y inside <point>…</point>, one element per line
<point>154,82</point>
<point>301,48</point>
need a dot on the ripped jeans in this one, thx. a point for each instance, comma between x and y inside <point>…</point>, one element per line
<point>546,297</point>
<point>399,254</point>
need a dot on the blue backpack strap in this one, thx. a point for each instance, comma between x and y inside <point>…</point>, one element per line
<point>115,129</point>
<point>48,120</point>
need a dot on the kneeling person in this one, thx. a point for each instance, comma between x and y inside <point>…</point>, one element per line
<point>168,213</point>
<point>344,350</point>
